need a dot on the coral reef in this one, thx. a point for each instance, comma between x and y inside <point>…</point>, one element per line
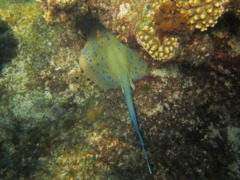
<point>171,22</point>
<point>205,124</point>
<point>201,14</point>
<point>55,123</point>
<point>235,7</point>
<point>56,10</point>
<point>200,49</point>
<point>159,27</point>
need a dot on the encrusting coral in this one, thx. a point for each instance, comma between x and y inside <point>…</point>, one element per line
<point>56,10</point>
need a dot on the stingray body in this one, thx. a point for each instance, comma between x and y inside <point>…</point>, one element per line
<point>110,64</point>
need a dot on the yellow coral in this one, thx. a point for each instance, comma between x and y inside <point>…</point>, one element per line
<point>201,14</point>
<point>158,49</point>
<point>168,21</point>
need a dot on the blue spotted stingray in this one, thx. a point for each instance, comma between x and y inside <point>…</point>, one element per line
<point>110,64</point>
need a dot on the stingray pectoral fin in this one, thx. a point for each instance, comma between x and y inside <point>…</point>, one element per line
<point>131,109</point>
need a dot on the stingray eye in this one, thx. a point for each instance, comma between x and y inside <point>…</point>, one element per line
<point>99,34</point>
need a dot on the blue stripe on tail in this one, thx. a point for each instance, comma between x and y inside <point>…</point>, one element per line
<point>131,109</point>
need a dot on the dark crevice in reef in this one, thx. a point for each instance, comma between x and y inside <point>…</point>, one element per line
<point>8,44</point>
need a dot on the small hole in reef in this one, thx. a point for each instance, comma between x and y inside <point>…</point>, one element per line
<point>230,21</point>
<point>152,167</point>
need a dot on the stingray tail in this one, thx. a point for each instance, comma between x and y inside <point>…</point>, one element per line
<point>131,109</point>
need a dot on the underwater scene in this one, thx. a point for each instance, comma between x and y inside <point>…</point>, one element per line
<point>119,89</point>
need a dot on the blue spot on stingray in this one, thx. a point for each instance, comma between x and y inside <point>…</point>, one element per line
<point>90,60</point>
<point>97,64</point>
<point>135,68</point>
<point>131,56</point>
<point>131,62</point>
<point>108,38</point>
<point>103,72</point>
<point>102,58</point>
<point>95,54</point>
<point>109,77</point>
